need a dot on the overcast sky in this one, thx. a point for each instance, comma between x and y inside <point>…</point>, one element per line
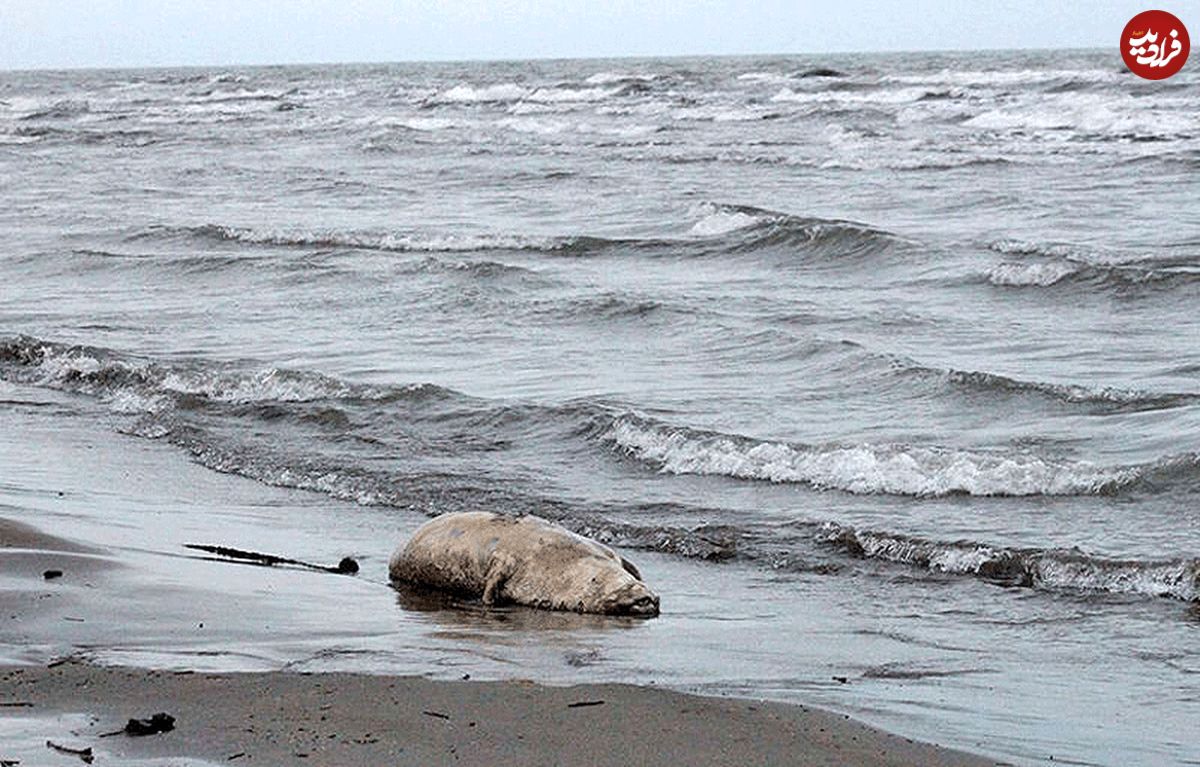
<point>102,33</point>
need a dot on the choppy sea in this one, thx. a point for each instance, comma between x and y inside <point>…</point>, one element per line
<point>910,343</point>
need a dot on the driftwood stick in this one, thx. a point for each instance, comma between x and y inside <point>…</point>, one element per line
<point>83,753</point>
<point>346,567</point>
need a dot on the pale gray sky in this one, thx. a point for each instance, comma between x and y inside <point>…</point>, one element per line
<point>101,33</point>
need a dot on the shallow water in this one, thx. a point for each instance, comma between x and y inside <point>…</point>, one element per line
<point>888,376</point>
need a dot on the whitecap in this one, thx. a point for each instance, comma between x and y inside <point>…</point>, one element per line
<point>1016,274</point>
<point>468,94</point>
<point>866,468</point>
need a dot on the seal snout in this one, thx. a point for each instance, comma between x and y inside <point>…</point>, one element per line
<point>636,599</point>
<point>645,605</point>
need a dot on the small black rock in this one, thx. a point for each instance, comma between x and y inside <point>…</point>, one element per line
<point>348,566</point>
<point>52,574</point>
<point>152,726</point>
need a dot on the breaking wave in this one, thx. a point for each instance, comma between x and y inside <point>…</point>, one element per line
<point>735,229</point>
<point>892,469</point>
<point>1108,397</point>
<point>149,385</point>
<point>400,243</point>
<point>1067,570</point>
<point>501,93</point>
<point>1124,277</point>
<point>200,406</point>
<point>1044,265</point>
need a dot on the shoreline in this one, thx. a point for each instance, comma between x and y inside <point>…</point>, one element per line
<point>332,717</point>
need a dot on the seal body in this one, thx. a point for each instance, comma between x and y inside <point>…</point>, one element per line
<point>523,560</point>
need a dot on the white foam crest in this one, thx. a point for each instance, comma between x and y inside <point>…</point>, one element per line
<point>1061,570</point>
<point>570,95</point>
<point>643,109</point>
<point>722,114</point>
<point>536,126</point>
<point>268,385</point>
<point>898,96</point>
<point>132,401</point>
<point>541,108</point>
<point>958,559</point>
<point>1028,248</point>
<point>57,366</point>
<point>772,78</point>
<point>410,242</point>
<point>239,94</point>
<point>1077,113</point>
<point>721,222</point>
<point>1180,579</point>
<point>864,469</point>
<point>138,386</point>
<point>423,124</point>
<point>1014,274</point>
<point>608,78</point>
<point>1003,77</point>
<point>468,94</point>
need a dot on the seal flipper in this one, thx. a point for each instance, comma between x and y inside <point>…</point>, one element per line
<point>492,590</point>
<point>497,576</point>
<point>629,568</point>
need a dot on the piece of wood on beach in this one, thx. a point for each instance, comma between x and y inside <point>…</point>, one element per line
<point>436,714</point>
<point>585,703</point>
<point>85,754</point>
<point>16,704</point>
<point>348,566</point>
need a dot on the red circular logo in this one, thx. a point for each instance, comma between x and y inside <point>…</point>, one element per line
<point>1154,45</point>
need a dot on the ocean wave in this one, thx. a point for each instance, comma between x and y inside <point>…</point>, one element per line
<point>606,306</point>
<point>401,243</point>
<point>1092,115</point>
<point>1119,398</point>
<point>238,94</point>
<point>58,110</point>
<point>881,97</point>
<point>1123,278</point>
<point>1048,264</point>
<point>614,78</point>
<point>570,95</point>
<point>480,269</point>
<point>469,94</point>
<point>724,114</point>
<point>992,78</point>
<point>1018,274</point>
<point>739,228</point>
<point>747,228</point>
<point>820,72</point>
<point>718,221</point>
<point>422,124</point>
<point>128,381</point>
<point>766,77</point>
<point>1048,570</point>
<point>117,137</point>
<point>892,469</point>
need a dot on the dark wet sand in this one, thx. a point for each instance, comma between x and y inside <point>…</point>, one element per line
<point>350,719</point>
<point>344,719</point>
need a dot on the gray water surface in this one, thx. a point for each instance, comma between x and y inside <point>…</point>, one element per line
<point>910,352</point>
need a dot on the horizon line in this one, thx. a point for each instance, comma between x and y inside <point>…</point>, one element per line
<point>508,60</point>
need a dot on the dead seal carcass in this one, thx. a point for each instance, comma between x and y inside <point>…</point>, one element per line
<point>523,560</point>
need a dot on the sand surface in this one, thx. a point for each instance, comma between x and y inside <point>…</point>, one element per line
<point>347,719</point>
